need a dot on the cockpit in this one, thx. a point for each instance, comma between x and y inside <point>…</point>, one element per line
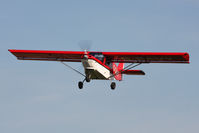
<point>98,55</point>
<point>102,58</point>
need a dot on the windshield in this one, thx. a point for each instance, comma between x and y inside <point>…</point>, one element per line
<point>99,56</point>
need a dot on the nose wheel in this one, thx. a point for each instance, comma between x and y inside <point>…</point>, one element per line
<point>113,85</point>
<point>87,79</point>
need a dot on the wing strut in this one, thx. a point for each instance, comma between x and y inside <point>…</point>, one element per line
<point>73,69</point>
<point>128,68</point>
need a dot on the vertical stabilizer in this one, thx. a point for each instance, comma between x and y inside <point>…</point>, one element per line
<point>117,71</point>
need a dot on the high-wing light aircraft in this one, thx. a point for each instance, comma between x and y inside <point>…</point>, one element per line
<point>103,65</point>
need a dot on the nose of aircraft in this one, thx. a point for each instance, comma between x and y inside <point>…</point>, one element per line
<point>85,54</point>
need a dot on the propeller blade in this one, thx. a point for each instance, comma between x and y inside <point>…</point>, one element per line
<point>85,45</point>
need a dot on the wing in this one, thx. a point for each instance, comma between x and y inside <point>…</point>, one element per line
<point>147,57</point>
<point>45,55</point>
<point>126,57</point>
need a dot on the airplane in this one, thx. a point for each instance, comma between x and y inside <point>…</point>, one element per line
<point>103,65</point>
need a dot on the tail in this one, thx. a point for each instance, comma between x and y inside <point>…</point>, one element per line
<point>117,71</point>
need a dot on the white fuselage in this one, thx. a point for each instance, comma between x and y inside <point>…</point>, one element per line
<point>95,70</point>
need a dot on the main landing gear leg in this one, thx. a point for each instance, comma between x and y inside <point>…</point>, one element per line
<point>113,85</point>
<point>81,83</point>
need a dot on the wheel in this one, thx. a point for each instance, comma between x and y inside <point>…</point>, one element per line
<point>88,79</point>
<point>80,85</point>
<point>113,85</point>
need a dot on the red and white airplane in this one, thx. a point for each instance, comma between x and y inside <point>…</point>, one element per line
<point>102,65</point>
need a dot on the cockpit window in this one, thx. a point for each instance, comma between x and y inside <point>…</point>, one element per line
<point>97,55</point>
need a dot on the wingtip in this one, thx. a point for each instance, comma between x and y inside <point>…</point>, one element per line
<point>11,50</point>
<point>187,57</point>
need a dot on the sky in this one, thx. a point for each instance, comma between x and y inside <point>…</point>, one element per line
<point>40,97</point>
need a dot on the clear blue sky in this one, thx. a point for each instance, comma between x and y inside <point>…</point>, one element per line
<point>44,97</point>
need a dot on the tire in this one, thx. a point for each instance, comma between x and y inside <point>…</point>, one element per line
<point>113,85</point>
<point>80,85</point>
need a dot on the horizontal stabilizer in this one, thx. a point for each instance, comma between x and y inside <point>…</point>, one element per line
<point>133,72</point>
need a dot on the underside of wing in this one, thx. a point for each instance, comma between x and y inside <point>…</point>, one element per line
<point>147,57</point>
<point>133,72</point>
<point>46,55</point>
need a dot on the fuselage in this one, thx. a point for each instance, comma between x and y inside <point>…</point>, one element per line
<point>95,66</point>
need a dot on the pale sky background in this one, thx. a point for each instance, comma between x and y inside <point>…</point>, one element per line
<point>39,97</point>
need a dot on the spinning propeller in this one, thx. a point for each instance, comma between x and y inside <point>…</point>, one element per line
<point>85,45</point>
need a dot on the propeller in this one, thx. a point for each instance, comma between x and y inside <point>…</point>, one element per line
<point>85,46</point>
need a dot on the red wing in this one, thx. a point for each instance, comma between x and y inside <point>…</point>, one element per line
<point>71,56</point>
<point>133,72</point>
<point>126,57</point>
<point>146,57</point>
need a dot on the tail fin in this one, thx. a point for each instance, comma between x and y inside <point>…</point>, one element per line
<point>117,71</point>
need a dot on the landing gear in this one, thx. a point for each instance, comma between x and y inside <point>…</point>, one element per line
<point>87,79</point>
<point>80,85</point>
<point>113,85</point>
